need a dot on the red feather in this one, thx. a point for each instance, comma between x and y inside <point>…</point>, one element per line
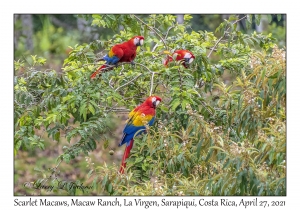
<point>147,108</point>
<point>98,71</point>
<point>179,57</point>
<point>125,51</point>
<point>125,156</point>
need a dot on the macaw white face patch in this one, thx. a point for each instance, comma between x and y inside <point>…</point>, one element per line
<point>155,102</point>
<point>187,55</point>
<point>137,41</point>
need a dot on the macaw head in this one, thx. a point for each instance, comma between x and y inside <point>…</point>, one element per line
<point>153,101</point>
<point>185,56</point>
<point>138,40</point>
<point>188,58</point>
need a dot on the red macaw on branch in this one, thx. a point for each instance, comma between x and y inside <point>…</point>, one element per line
<point>141,115</point>
<point>124,52</point>
<point>185,56</point>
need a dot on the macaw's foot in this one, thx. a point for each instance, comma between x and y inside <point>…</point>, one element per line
<point>132,63</point>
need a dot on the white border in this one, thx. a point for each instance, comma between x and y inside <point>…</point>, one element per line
<point>153,6</point>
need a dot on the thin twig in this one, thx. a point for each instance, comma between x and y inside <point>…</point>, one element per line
<point>155,46</point>
<point>128,82</point>
<point>225,32</point>
<point>121,70</point>
<point>53,172</point>
<point>152,29</point>
<point>214,47</point>
<point>111,78</point>
<point>127,63</point>
<point>109,83</point>
<point>151,87</point>
<point>118,110</point>
<point>112,108</point>
<point>168,31</point>
<point>144,67</point>
<point>180,79</point>
<point>87,65</point>
<point>203,104</point>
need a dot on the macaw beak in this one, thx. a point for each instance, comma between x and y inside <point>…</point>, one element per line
<point>141,42</point>
<point>191,60</point>
<point>186,61</point>
<point>155,103</point>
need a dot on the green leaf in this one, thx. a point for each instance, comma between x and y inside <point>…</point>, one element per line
<point>105,144</point>
<point>104,181</point>
<point>269,18</point>
<point>184,103</point>
<point>279,17</point>
<point>140,159</point>
<point>209,155</point>
<point>90,173</point>
<point>67,158</point>
<point>257,19</point>
<point>199,148</point>
<point>92,109</point>
<point>18,145</point>
<point>164,108</point>
<point>249,18</point>
<point>175,104</point>
<point>56,136</point>
<point>110,188</point>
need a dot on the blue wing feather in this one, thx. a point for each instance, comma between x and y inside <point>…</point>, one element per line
<point>130,130</point>
<point>151,122</point>
<point>111,60</point>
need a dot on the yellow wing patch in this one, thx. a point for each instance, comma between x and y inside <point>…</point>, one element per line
<point>110,53</point>
<point>139,119</point>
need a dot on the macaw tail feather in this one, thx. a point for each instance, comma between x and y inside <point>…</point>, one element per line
<point>167,60</point>
<point>125,156</point>
<point>93,76</point>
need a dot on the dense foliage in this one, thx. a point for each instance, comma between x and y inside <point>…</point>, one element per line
<point>211,137</point>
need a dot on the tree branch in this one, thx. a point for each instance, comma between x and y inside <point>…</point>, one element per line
<point>152,29</point>
<point>128,82</point>
<point>168,31</point>
<point>111,78</point>
<point>144,67</point>
<point>151,86</point>
<point>85,65</point>
<point>52,173</point>
<point>203,103</point>
<point>225,32</point>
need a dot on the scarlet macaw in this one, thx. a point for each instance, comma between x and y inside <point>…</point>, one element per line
<point>141,115</point>
<point>124,52</point>
<point>185,56</point>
